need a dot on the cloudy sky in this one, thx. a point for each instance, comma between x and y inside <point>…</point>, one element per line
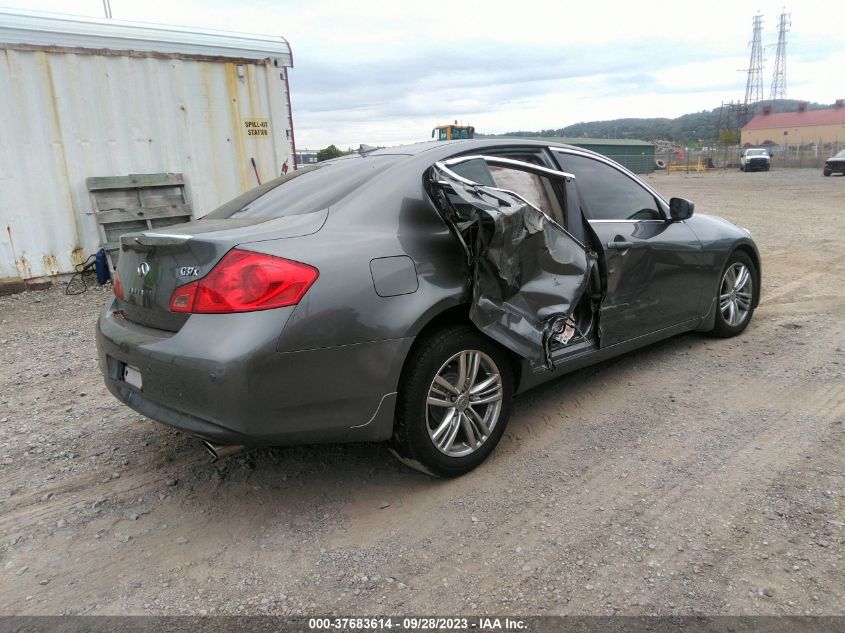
<point>368,71</point>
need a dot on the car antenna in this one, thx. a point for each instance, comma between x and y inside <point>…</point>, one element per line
<point>366,149</point>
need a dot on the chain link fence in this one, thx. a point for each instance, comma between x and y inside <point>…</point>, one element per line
<point>783,156</point>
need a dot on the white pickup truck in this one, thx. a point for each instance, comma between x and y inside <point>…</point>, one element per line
<point>754,159</point>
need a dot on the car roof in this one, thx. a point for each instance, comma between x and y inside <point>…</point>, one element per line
<point>437,150</point>
<point>414,149</point>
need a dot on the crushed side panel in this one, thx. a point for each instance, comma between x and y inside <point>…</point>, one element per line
<point>528,272</point>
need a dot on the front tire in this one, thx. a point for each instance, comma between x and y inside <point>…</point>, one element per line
<point>827,171</point>
<point>454,402</point>
<point>737,296</point>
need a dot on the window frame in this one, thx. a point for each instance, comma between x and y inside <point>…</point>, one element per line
<point>551,201</point>
<point>561,189</point>
<point>662,205</point>
<point>540,170</point>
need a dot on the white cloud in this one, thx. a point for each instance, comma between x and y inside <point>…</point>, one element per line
<point>386,72</point>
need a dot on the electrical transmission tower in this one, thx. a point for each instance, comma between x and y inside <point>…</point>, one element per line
<point>754,85</point>
<point>779,77</point>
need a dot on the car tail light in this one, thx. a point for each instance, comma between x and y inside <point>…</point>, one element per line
<point>117,286</point>
<point>244,281</point>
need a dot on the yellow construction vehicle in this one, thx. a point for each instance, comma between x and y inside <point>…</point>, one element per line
<point>452,131</point>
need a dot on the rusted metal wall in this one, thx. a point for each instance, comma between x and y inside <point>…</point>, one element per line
<point>65,116</point>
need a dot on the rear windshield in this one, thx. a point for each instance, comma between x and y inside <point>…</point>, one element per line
<point>305,190</point>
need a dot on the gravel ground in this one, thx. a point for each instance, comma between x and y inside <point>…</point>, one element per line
<point>695,476</point>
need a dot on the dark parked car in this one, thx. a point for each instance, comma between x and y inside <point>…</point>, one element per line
<point>835,164</point>
<point>406,294</point>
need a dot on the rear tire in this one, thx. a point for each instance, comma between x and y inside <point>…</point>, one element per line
<point>454,402</point>
<point>736,296</point>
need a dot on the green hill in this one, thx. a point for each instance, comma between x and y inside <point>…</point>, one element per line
<point>684,130</point>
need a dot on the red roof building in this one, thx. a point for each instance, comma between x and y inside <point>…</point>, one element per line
<point>801,127</point>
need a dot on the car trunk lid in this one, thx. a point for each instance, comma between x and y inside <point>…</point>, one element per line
<point>152,264</point>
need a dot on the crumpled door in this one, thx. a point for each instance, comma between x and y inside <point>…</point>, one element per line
<point>528,272</point>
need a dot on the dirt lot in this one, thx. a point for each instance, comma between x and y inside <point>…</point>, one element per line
<point>696,476</point>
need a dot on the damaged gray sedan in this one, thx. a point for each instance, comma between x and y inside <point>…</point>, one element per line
<point>407,294</point>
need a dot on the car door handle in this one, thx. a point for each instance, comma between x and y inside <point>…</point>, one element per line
<point>620,245</point>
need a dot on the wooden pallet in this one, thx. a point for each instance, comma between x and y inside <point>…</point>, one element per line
<point>123,204</point>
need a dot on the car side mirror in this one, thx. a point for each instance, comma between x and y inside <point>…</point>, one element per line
<point>680,209</point>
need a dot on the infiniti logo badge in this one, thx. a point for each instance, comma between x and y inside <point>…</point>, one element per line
<point>143,269</point>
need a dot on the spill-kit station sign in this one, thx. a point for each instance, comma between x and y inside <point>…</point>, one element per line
<point>257,128</point>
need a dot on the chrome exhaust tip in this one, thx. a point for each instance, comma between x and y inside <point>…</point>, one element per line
<point>222,450</point>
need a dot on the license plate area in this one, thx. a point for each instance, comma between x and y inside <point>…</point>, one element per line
<point>132,376</point>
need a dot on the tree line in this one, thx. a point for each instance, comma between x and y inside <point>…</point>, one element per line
<point>687,129</point>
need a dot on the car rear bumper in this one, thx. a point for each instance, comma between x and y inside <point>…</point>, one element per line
<point>221,378</point>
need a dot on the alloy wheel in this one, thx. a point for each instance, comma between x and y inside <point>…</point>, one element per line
<point>736,293</point>
<point>464,402</point>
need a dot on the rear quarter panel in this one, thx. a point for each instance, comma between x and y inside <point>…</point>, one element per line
<point>390,217</point>
<point>347,343</point>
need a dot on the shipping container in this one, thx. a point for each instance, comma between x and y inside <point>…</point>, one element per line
<point>87,97</point>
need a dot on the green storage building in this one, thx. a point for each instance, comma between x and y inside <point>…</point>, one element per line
<point>638,156</point>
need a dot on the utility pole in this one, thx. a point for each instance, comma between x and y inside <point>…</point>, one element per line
<point>732,116</point>
<point>754,84</point>
<point>779,76</point>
